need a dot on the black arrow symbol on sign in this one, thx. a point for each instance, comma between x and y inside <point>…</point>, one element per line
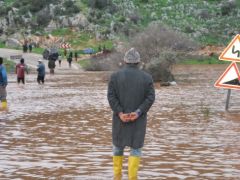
<point>237,51</point>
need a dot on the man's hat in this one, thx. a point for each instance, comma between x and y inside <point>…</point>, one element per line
<point>132,56</point>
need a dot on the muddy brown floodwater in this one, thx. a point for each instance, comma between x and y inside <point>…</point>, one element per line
<point>62,130</point>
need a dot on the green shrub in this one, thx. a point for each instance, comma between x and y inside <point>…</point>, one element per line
<point>68,4</point>
<point>4,10</point>
<point>24,10</point>
<point>98,4</point>
<point>71,7</point>
<point>58,11</point>
<point>43,18</point>
<point>121,19</point>
<point>73,10</point>
<point>36,5</point>
<point>160,67</point>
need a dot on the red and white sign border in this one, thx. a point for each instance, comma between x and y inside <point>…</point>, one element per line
<point>228,86</point>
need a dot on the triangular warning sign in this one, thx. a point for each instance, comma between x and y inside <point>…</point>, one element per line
<point>232,51</point>
<point>230,79</point>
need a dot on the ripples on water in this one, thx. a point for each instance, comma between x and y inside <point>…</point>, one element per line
<point>189,136</point>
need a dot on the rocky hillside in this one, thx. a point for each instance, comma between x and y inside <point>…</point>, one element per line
<point>208,22</point>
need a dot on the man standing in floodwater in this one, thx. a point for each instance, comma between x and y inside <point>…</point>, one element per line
<point>130,94</point>
<point>41,72</point>
<point>20,71</point>
<point>3,85</point>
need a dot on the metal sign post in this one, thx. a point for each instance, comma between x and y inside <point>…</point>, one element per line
<point>228,99</point>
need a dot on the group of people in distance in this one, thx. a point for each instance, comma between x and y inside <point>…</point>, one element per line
<point>27,47</point>
<point>21,69</point>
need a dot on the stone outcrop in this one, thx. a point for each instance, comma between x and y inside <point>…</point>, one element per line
<point>14,43</point>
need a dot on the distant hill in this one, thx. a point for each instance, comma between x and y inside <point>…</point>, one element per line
<point>208,22</point>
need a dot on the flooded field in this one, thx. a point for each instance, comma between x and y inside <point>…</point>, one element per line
<point>62,130</point>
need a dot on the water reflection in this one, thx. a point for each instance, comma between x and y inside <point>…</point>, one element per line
<point>189,136</point>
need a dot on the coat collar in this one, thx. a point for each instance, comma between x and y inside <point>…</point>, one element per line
<point>131,65</point>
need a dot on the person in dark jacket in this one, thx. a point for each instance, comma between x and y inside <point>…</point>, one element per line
<point>30,47</point>
<point>25,47</point>
<point>69,59</point>
<point>60,60</point>
<point>76,56</point>
<point>130,95</point>
<point>41,72</point>
<point>51,66</point>
<point>3,85</point>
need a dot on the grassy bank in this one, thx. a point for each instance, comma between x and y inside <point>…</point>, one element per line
<point>205,61</point>
<point>38,50</point>
<point>81,40</point>
<point>84,63</point>
<point>10,66</point>
<point>210,60</point>
<point>2,45</point>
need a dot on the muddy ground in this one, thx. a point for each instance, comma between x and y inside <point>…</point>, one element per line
<point>63,129</point>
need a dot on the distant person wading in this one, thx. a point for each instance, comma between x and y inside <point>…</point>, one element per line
<point>21,68</point>
<point>69,59</point>
<point>130,94</point>
<point>41,72</point>
<point>51,66</point>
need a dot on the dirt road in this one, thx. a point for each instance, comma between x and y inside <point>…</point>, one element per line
<point>31,59</point>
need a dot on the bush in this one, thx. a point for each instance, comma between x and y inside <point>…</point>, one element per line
<point>43,18</point>
<point>3,10</point>
<point>68,4</point>
<point>157,38</point>
<point>58,11</point>
<point>72,10</point>
<point>34,5</point>
<point>97,65</point>
<point>19,20</point>
<point>134,18</point>
<point>98,4</point>
<point>121,19</point>
<point>113,8</point>
<point>228,7</point>
<point>1,31</point>
<point>17,4</point>
<point>159,47</point>
<point>160,67</point>
<point>105,63</point>
<point>24,10</point>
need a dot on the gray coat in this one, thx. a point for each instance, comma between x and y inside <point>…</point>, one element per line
<point>128,90</point>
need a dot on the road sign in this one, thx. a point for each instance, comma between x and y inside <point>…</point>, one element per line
<point>230,79</point>
<point>65,45</point>
<point>232,51</point>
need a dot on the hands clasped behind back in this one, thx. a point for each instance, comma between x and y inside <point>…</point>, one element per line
<point>128,117</point>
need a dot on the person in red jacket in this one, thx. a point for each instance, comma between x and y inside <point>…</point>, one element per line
<point>21,68</point>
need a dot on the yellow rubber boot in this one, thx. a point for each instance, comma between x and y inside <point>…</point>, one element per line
<point>133,165</point>
<point>4,105</point>
<point>117,167</point>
